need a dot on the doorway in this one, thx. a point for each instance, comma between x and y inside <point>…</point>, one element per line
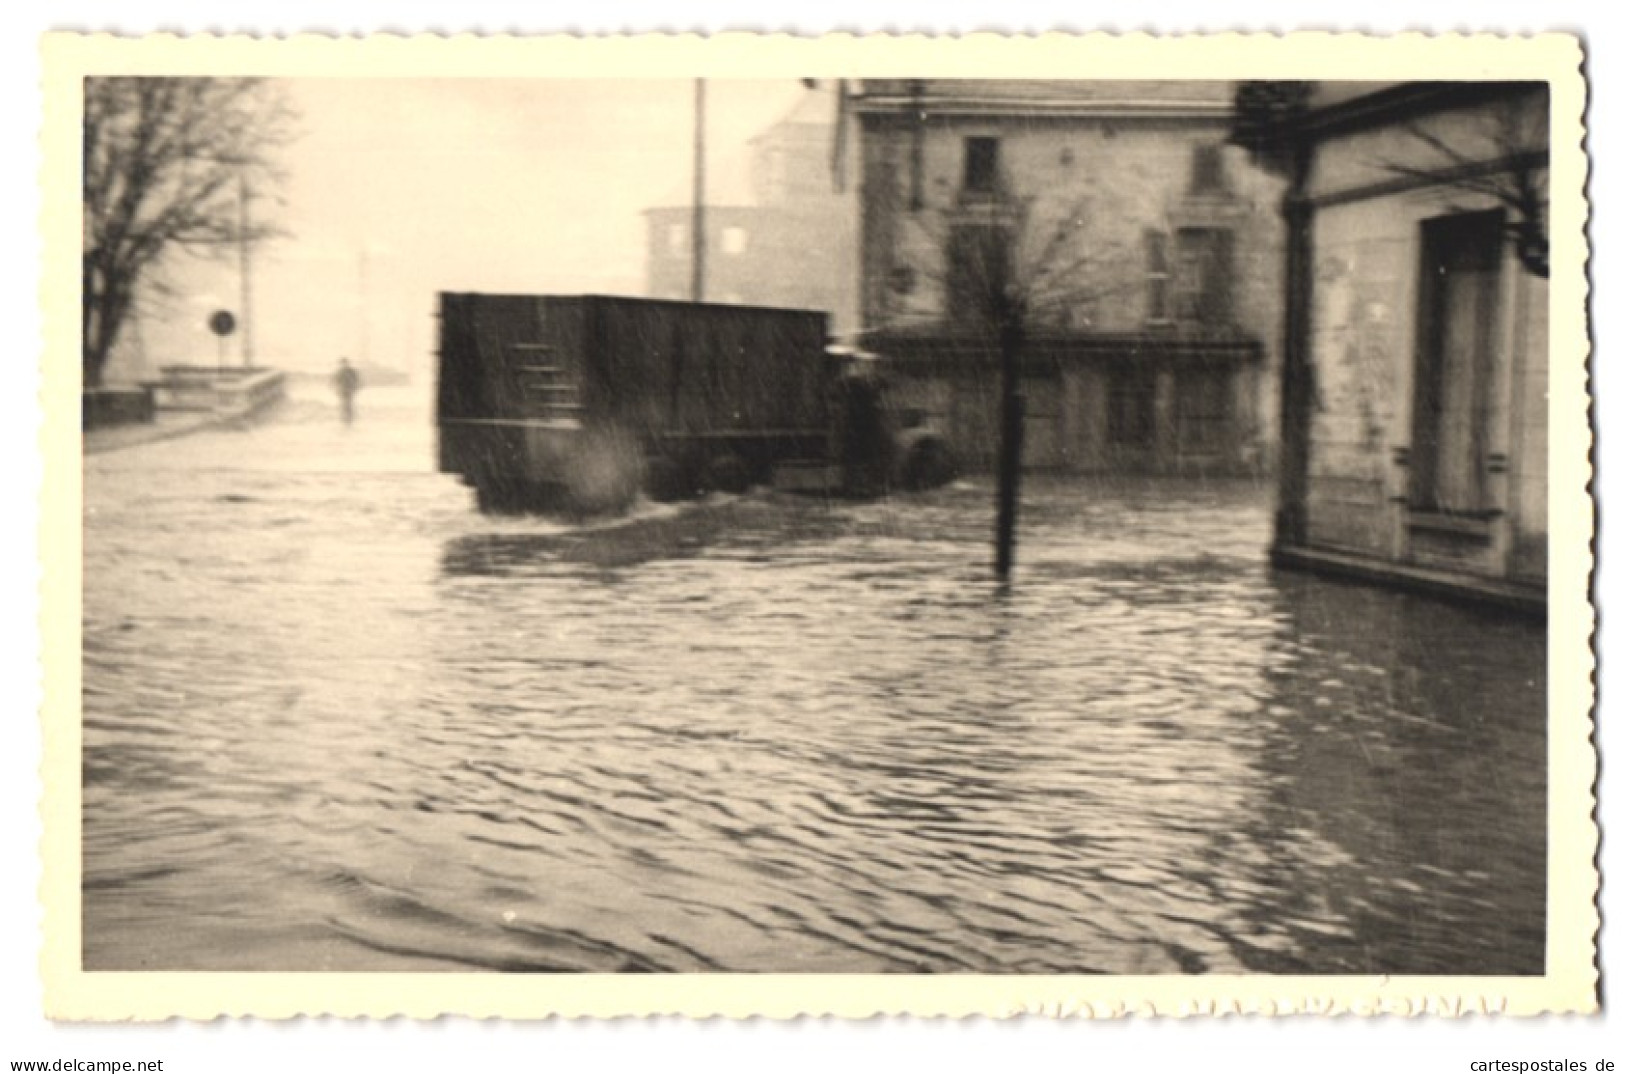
<point>1457,322</point>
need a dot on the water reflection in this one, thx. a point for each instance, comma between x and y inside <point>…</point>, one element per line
<point>338,720</point>
<point>1392,713</point>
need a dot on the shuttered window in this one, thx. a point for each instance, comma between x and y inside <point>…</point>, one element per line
<point>1156,277</point>
<point>1204,272</point>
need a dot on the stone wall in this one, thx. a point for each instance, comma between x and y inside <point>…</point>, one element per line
<point>1110,183</point>
<point>1091,189</point>
<point>1364,345</point>
<point>104,407</point>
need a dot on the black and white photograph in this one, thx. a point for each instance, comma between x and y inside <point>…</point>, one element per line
<point>800,524</point>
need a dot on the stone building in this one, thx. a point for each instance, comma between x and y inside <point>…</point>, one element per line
<point>1414,426</point>
<point>1147,249</point>
<point>777,231</point>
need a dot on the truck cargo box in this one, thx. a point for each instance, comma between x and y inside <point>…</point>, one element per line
<point>581,401</point>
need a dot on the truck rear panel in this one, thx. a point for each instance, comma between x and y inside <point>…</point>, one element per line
<point>529,382</point>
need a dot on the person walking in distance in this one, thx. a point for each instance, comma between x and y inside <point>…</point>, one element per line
<point>348,382</point>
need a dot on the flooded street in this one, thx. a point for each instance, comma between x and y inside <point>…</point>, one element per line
<point>336,719</point>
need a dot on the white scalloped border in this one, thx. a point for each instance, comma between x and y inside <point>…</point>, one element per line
<point>1570,983</point>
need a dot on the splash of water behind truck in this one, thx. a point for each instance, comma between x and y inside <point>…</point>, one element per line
<point>579,403</point>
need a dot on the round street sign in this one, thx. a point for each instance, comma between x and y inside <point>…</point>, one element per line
<point>222,323</point>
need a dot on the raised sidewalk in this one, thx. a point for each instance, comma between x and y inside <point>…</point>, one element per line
<point>239,400</point>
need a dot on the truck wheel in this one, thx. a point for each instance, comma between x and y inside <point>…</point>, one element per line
<point>727,473</point>
<point>927,464</point>
<point>494,498</point>
<point>664,481</point>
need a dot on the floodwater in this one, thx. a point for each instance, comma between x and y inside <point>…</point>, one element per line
<point>335,719</point>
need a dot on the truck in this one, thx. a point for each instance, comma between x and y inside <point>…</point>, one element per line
<point>578,403</point>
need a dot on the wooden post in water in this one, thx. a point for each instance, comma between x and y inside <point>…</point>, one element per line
<point>1011,409</point>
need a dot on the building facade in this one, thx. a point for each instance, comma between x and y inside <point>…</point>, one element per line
<point>777,232</point>
<point>1414,422</point>
<point>1146,251</point>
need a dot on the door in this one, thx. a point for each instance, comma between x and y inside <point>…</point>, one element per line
<point>1458,321</point>
<point>1202,419</point>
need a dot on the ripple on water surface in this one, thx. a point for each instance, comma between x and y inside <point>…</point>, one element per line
<point>337,720</point>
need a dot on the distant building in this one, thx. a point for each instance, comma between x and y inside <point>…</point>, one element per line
<point>1152,247</point>
<point>777,232</point>
<point>1414,435</point>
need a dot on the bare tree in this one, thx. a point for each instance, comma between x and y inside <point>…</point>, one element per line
<point>1044,264</point>
<point>167,165</point>
<point>1003,267</point>
<point>1503,156</point>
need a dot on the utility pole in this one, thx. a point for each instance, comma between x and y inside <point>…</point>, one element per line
<point>244,269</point>
<point>697,286</point>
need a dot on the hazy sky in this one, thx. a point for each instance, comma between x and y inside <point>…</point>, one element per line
<point>399,189</point>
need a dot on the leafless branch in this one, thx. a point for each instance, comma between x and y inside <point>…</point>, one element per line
<point>1512,176</point>
<point>167,164</point>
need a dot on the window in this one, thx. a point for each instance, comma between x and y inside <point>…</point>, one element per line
<point>1156,277</point>
<point>981,165</point>
<point>1202,291</point>
<point>1202,409</point>
<point>733,240</point>
<point>1456,329</point>
<point>1207,169</point>
<point>1131,407</point>
<point>676,237</point>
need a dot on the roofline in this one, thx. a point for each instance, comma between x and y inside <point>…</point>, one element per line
<point>1404,100</point>
<point>642,300</point>
<point>1058,108</point>
<point>936,344</point>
